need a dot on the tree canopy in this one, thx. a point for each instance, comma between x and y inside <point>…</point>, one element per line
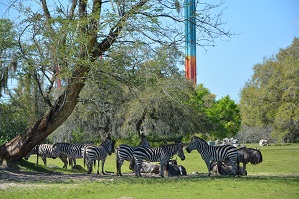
<point>60,45</point>
<point>270,98</point>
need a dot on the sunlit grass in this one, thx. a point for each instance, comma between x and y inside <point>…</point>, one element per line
<point>276,177</point>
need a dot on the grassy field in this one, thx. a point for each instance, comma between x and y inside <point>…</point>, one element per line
<point>276,177</point>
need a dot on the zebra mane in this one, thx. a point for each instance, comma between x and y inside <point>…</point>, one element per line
<point>66,143</point>
<point>200,140</point>
<point>169,145</point>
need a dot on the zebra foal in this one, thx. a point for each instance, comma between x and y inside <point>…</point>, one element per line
<point>159,154</point>
<point>92,153</point>
<point>125,152</point>
<point>214,153</point>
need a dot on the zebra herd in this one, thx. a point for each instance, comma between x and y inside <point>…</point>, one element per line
<point>136,155</point>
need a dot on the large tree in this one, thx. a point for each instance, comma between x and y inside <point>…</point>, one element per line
<point>271,97</point>
<point>65,40</point>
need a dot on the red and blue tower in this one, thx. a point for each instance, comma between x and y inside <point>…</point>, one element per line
<point>190,42</point>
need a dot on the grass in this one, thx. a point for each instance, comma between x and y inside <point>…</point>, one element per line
<point>276,177</point>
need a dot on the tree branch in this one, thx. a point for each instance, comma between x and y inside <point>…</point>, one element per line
<point>115,30</point>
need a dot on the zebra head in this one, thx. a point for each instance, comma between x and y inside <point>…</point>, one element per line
<point>112,146</point>
<point>180,151</point>
<point>196,143</point>
<point>108,144</point>
<point>144,143</point>
<point>33,151</point>
<point>60,148</point>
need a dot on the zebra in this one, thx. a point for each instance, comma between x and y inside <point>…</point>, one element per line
<point>125,152</point>
<point>159,154</point>
<point>92,153</point>
<point>214,153</point>
<point>46,151</point>
<point>72,151</point>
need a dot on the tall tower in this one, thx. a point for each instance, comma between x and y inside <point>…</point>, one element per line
<point>190,42</point>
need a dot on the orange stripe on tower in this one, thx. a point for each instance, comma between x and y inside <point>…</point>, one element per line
<point>190,68</point>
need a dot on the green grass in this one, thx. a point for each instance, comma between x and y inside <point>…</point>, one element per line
<point>276,177</point>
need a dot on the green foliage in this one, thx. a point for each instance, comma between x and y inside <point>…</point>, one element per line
<point>226,118</point>
<point>129,95</point>
<point>271,97</point>
<point>11,122</point>
<point>223,115</point>
<point>7,52</point>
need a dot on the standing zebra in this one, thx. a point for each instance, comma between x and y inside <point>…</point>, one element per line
<point>46,151</point>
<point>125,152</point>
<point>159,154</point>
<point>92,153</point>
<point>72,151</point>
<point>214,153</point>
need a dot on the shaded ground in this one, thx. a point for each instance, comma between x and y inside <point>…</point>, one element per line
<point>13,176</point>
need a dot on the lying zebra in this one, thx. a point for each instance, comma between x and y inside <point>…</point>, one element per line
<point>159,154</point>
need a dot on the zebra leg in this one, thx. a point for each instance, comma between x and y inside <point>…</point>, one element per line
<point>208,163</point>
<point>98,171</point>
<point>162,165</point>
<point>44,160</point>
<point>137,168</point>
<point>118,166</point>
<point>64,160</point>
<point>103,170</point>
<point>234,167</point>
<point>89,165</point>
<point>75,164</point>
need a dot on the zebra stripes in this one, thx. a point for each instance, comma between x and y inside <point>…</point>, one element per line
<point>160,154</point>
<point>72,151</point>
<point>92,153</point>
<point>214,153</point>
<point>125,152</point>
<point>46,151</point>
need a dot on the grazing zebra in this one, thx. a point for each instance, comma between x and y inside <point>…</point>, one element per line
<point>125,152</point>
<point>46,151</point>
<point>214,153</point>
<point>72,151</point>
<point>92,153</point>
<point>159,154</point>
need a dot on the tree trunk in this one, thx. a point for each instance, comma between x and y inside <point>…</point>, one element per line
<point>36,134</point>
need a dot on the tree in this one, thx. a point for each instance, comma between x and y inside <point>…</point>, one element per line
<point>226,118</point>
<point>7,57</point>
<point>67,41</point>
<point>270,98</point>
<point>151,98</point>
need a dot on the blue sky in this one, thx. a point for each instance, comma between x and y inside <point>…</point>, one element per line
<point>263,27</point>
